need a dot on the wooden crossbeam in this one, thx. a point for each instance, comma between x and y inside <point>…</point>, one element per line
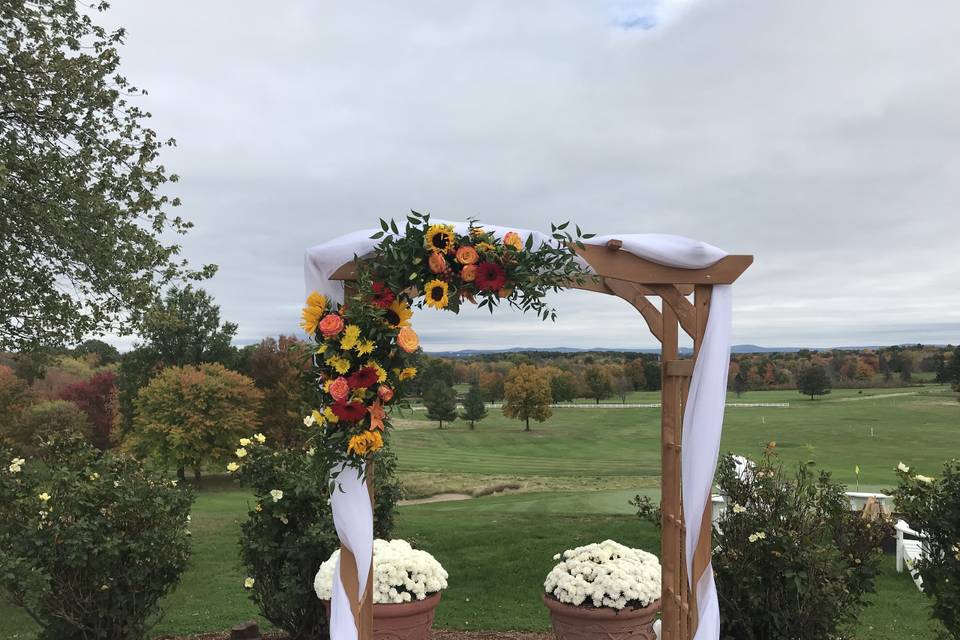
<point>623,265</point>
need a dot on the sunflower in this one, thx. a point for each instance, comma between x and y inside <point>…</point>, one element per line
<point>439,238</point>
<point>310,318</point>
<point>398,314</point>
<point>436,294</point>
<point>364,443</point>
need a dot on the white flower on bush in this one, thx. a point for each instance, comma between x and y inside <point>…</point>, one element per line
<point>607,574</point>
<point>16,464</point>
<point>276,494</point>
<point>400,573</point>
<point>924,479</point>
<point>902,467</point>
<point>260,438</point>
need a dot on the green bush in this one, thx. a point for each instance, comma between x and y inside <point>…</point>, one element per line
<point>793,561</point>
<point>933,506</point>
<point>89,541</point>
<point>44,420</point>
<point>288,535</point>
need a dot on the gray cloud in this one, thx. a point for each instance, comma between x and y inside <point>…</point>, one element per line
<point>820,136</point>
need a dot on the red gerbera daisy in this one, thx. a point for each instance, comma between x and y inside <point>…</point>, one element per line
<point>349,411</point>
<point>490,276</point>
<point>365,377</point>
<point>382,296</point>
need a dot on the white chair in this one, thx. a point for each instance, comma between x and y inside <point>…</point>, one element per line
<point>909,551</point>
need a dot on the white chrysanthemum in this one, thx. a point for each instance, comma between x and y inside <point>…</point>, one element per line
<point>607,574</point>
<point>400,573</point>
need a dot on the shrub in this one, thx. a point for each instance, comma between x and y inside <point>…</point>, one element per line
<point>793,562</point>
<point>189,416</point>
<point>89,541</point>
<point>44,420</point>
<point>288,535</point>
<point>15,396</point>
<point>933,507</point>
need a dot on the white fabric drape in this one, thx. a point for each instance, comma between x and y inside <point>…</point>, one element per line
<point>703,417</point>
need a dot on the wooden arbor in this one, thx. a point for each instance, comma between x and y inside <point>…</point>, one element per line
<point>635,279</point>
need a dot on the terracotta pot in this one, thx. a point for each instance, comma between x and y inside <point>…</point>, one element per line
<point>588,623</point>
<point>405,621</point>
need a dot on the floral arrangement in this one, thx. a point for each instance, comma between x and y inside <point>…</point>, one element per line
<point>400,573</point>
<point>607,574</point>
<point>365,346</point>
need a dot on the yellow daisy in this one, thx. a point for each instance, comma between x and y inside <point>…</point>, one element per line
<point>436,294</point>
<point>330,416</point>
<point>399,314</point>
<point>364,347</point>
<point>310,317</point>
<point>483,247</point>
<point>340,365</point>
<point>439,238</point>
<point>350,336</point>
<point>407,373</point>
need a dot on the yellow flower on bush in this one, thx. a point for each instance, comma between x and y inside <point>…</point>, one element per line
<point>310,318</point>
<point>366,442</point>
<point>244,442</point>
<point>338,364</point>
<point>350,336</point>
<point>436,295</point>
<point>44,497</point>
<point>233,466</point>
<point>260,438</point>
<point>439,238</point>
<point>248,583</point>
<point>241,452</point>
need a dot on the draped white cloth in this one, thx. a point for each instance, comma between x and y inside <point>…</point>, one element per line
<point>703,417</point>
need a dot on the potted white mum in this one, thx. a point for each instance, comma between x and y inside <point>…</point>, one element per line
<point>603,590</point>
<point>406,589</point>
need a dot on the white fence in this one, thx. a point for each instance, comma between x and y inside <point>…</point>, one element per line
<point>635,405</point>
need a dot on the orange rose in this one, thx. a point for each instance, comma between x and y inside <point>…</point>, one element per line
<point>385,393</point>
<point>339,389</point>
<point>331,325</point>
<point>468,273</point>
<point>512,239</point>
<point>504,292</point>
<point>467,255</point>
<point>408,339</point>
<point>438,264</point>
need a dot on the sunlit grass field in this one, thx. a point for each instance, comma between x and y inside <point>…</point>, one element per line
<point>578,470</point>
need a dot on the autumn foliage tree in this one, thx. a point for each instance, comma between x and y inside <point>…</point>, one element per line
<point>277,367</point>
<point>598,383</point>
<point>96,397</point>
<point>527,395</point>
<point>189,416</point>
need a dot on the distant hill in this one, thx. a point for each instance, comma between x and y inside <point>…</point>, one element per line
<point>737,348</point>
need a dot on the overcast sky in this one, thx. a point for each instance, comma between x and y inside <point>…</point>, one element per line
<point>821,136</point>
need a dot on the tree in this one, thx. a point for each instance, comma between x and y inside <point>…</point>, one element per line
<point>434,370</point>
<point>651,370</point>
<point>43,420</point>
<point>739,383</point>
<point>598,383</point>
<point>527,395</point>
<point>440,400</point>
<point>473,407</point>
<point>563,387</point>
<point>183,327</point>
<point>276,367</point>
<point>188,416</point>
<point>491,385</point>
<point>137,367</point>
<point>15,397</point>
<point>106,353</point>
<point>635,371</point>
<point>950,372</point>
<point>97,398</point>
<point>813,381</point>
<point>84,210</point>
<point>622,388</point>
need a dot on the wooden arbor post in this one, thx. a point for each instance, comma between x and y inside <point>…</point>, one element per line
<point>634,279</point>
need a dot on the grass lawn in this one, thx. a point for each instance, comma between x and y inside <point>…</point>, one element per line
<point>577,472</point>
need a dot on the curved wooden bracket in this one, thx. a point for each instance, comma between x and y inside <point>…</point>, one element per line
<point>634,294</point>
<point>686,314</point>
